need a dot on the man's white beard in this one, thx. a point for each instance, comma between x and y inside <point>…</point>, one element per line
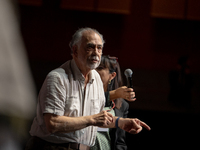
<point>93,65</point>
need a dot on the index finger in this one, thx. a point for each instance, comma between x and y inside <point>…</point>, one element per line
<point>145,125</point>
<point>129,90</point>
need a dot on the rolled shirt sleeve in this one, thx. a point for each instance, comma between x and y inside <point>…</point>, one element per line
<point>54,102</point>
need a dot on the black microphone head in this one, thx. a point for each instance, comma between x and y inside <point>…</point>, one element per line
<point>128,73</point>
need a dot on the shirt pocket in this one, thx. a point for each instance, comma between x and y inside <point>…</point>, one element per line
<point>95,106</point>
<point>72,106</point>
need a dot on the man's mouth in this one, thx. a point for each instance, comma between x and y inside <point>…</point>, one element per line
<point>94,59</point>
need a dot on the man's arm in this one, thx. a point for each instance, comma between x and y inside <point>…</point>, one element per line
<point>131,125</point>
<point>55,123</point>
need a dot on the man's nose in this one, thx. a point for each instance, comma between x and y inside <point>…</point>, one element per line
<point>95,51</point>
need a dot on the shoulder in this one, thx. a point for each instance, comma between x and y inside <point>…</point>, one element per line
<point>58,76</point>
<point>55,78</point>
<point>125,105</point>
<point>62,71</point>
<point>56,73</point>
<point>95,73</point>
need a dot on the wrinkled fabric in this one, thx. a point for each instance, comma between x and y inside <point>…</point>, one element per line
<point>63,94</point>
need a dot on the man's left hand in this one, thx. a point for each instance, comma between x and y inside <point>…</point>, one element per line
<point>132,126</point>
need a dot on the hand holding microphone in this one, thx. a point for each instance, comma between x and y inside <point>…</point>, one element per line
<point>128,73</point>
<point>130,92</point>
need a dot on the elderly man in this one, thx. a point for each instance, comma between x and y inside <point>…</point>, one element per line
<point>71,100</point>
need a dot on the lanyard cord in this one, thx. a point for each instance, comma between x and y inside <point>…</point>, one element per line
<point>113,106</point>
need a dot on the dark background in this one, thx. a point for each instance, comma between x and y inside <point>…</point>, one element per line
<point>149,46</point>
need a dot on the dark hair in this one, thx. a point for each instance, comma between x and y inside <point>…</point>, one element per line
<point>112,64</point>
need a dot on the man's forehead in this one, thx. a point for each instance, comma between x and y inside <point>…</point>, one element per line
<point>89,35</point>
<point>93,44</point>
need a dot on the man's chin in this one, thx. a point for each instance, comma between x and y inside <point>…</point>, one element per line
<point>93,66</point>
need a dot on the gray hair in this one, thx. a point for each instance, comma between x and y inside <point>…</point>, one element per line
<point>76,38</point>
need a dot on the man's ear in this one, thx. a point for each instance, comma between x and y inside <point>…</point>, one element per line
<point>113,75</point>
<point>75,50</point>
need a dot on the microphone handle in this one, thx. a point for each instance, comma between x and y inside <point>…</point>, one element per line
<point>130,83</point>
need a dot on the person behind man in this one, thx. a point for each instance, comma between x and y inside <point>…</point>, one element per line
<point>110,73</point>
<point>71,100</point>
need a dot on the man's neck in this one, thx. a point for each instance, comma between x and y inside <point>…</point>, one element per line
<point>105,87</point>
<point>85,71</point>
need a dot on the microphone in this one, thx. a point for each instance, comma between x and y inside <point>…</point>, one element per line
<point>128,73</point>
